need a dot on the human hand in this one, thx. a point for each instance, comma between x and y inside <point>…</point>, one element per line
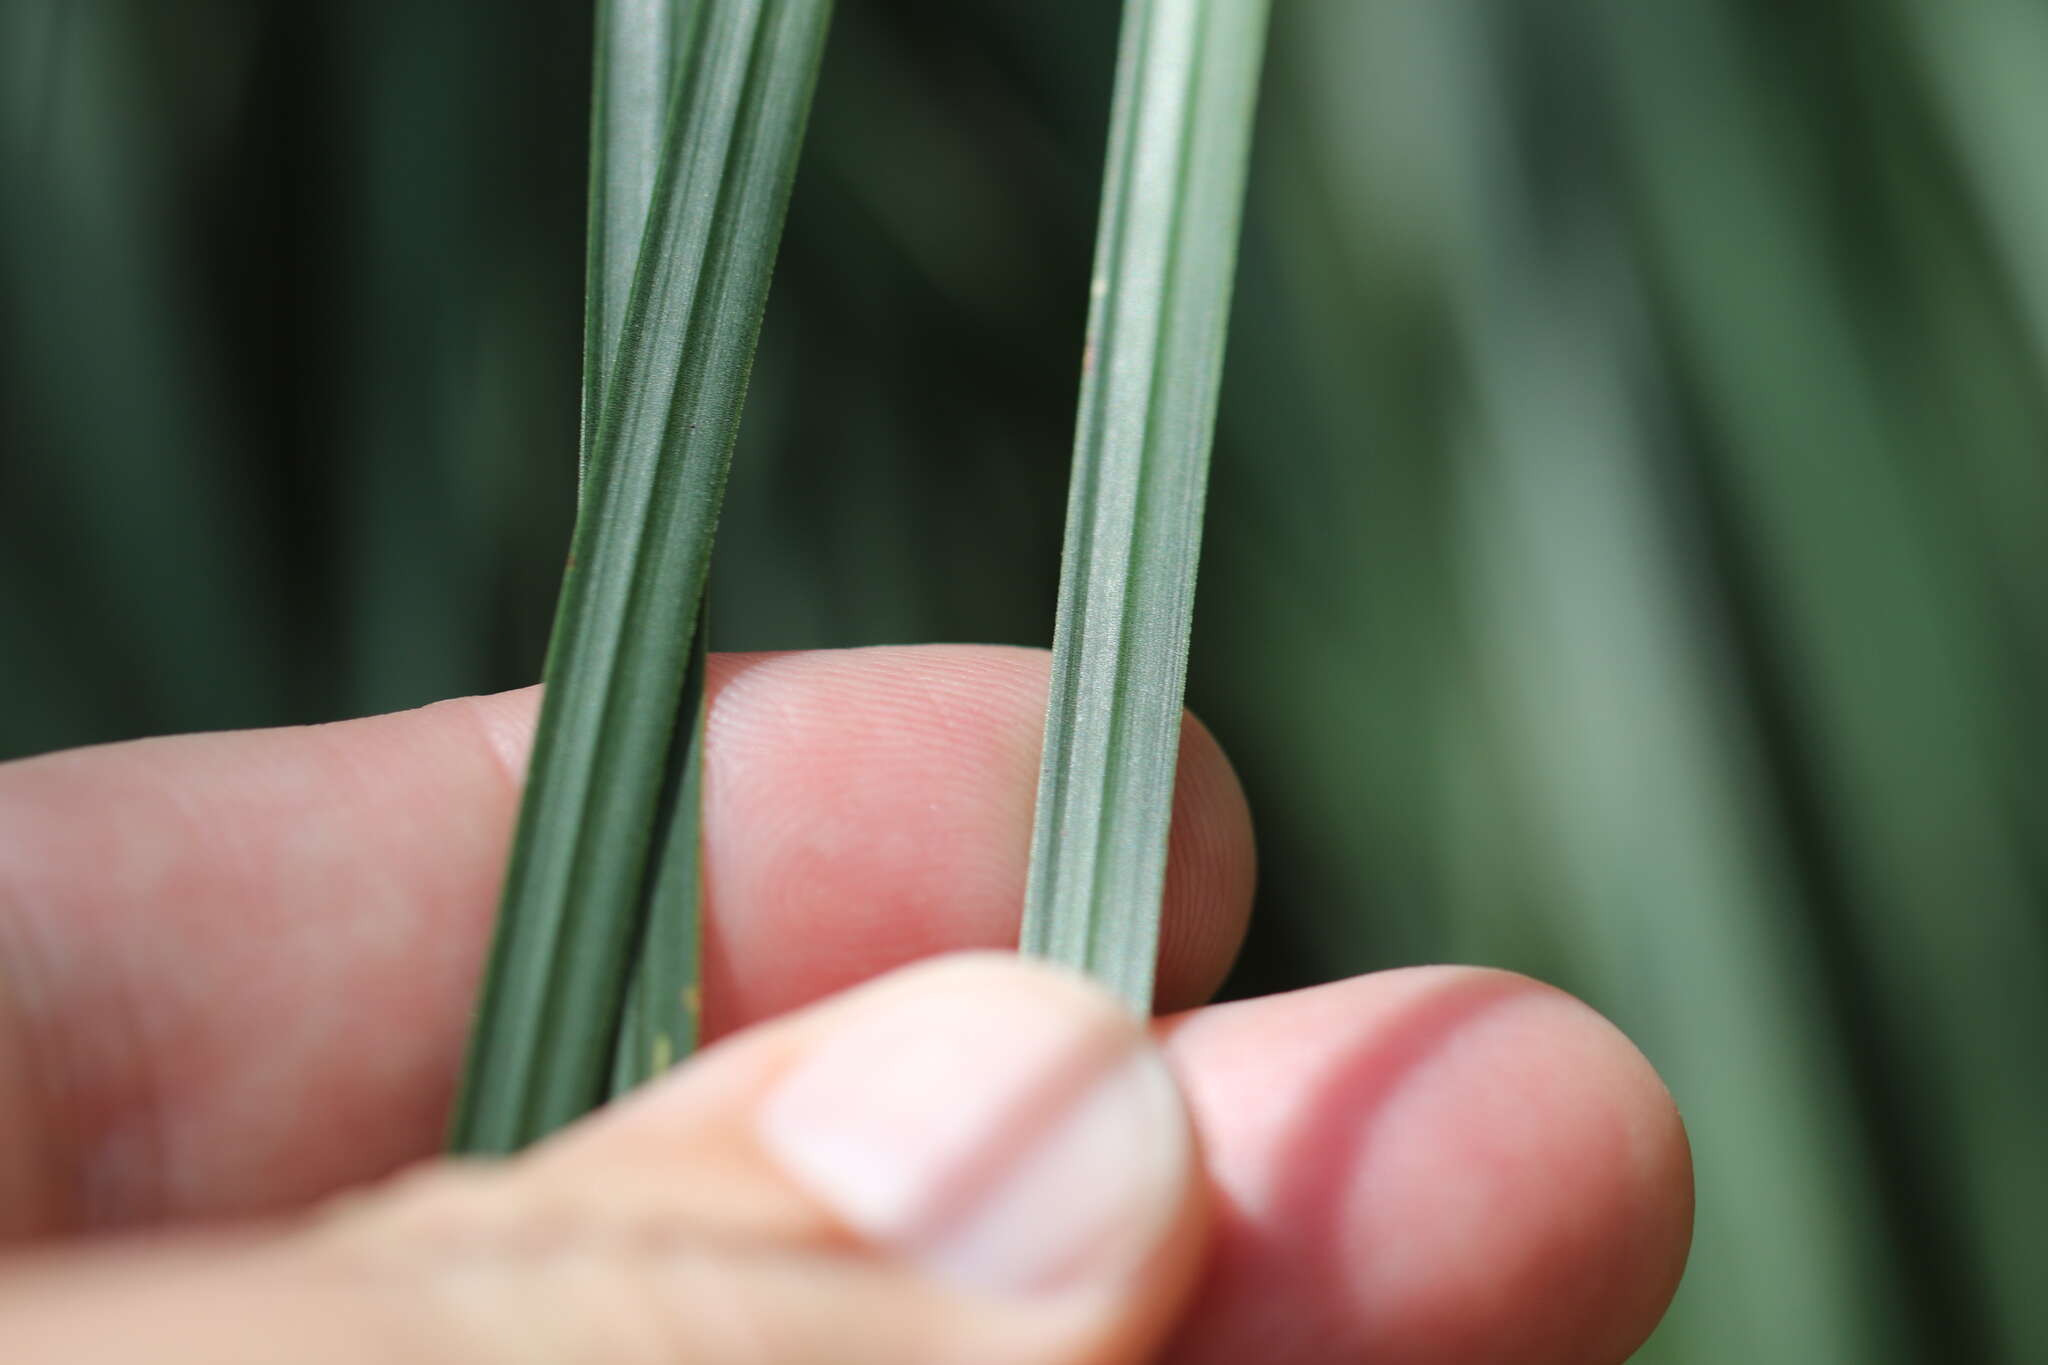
<point>235,977</point>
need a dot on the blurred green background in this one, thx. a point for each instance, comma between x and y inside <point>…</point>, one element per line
<point>1628,551</point>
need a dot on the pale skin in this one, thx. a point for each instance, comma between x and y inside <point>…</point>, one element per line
<point>235,973</point>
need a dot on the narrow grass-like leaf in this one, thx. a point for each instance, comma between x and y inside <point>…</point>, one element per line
<point>547,1024</point>
<point>639,48</point>
<point>1166,252</point>
<point>664,1003</point>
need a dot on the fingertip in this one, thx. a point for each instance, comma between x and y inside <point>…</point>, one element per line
<point>1211,872</point>
<point>992,1127</point>
<point>867,807</point>
<point>1439,1164</point>
<point>1573,1218</point>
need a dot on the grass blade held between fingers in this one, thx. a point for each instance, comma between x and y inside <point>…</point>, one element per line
<point>1166,250</point>
<point>640,46</point>
<point>548,1020</point>
<point>663,1002</point>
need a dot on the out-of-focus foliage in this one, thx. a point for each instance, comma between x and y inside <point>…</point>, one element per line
<point>1628,558</point>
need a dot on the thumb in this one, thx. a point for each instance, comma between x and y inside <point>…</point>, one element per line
<point>975,1159</point>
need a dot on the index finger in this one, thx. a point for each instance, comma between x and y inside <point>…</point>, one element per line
<point>236,970</point>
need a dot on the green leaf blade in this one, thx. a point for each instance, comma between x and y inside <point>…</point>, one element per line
<point>640,46</point>
<point>664,1003</point>
<point>551,1009</point>
<point>1173,195</point>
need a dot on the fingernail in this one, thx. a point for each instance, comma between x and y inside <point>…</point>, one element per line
<point>998,1125</point>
